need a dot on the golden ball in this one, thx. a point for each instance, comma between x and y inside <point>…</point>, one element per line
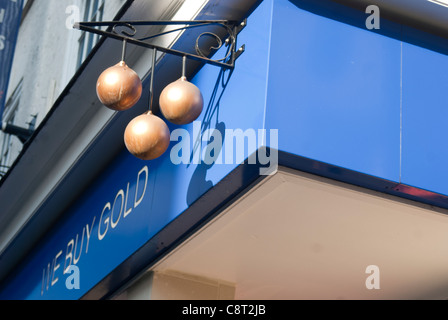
<point>181,102</point>
<point>147,137</point>
<point>119,87</point>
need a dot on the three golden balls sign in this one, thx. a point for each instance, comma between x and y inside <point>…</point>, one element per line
<point>147,136</point>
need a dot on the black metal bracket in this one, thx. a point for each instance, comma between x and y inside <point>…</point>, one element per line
<point>129,31</point>
<point>22,134</point>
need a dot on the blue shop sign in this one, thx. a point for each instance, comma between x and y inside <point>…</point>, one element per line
<point>101,229</point>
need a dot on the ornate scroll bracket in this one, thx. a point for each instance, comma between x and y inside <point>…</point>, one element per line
<point>127,31</point>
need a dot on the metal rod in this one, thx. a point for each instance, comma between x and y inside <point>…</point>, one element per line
<point>152,46</point>
<point>151,83</point>
<point>152,23</point>
<point>184,66</point>
<point>123,53</point>
<point>178,29</point>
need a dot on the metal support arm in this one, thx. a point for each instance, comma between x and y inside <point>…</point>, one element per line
<point>128,34</point>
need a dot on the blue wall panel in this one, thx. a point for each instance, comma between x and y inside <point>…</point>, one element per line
<point>425,112</point>
<point>334,89</point>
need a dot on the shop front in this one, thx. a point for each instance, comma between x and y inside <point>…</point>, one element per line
<point>314,166</point>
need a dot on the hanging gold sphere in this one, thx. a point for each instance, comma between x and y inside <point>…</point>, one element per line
<point>181,102</point>
<point>147,137</point>
<point>119,87</point>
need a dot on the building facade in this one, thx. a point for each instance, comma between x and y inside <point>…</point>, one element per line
<point>52,51</point>
<point>315,170</point>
